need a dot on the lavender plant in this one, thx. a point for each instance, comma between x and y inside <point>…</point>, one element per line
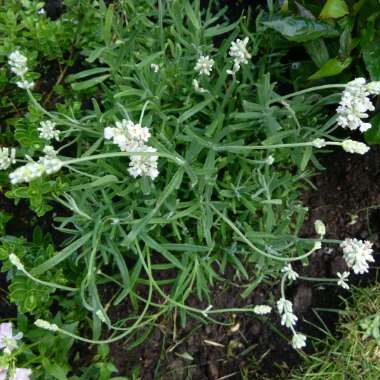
<point>180,169</point>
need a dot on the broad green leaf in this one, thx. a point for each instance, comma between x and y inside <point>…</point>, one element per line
<point>371,57</point>
<point>332,67</point>
<point>26,135</point>
<point>334,9</point>
<point>300,29</point>
<point>27,294</point>
<point>372,136</point>
<point>54,370</point>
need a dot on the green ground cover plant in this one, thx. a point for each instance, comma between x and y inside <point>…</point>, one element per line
<point>166,152</point>
<point>354,352</point>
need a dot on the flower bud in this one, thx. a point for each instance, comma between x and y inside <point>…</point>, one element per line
<point>320,227</point>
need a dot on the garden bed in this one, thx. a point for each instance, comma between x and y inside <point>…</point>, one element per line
<point>345,197</point>
<point>169,166</point>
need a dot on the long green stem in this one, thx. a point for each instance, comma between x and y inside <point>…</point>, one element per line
<point>49,284</point>
<point>305,91</point>
<point>231,148</point>
<point>123,154</point>
<point>258,250</point>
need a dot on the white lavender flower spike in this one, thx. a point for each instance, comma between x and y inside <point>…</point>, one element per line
<point>285,308</point>
<point>352,146</point>
<point>130,137</point>
<point>355,104</point>
<point>46,325</point>
<point>48,131</point>
<point>343,279</point>
<point>198,88</point>
<point>238,51</point>
<point>18,63</point>
<point>262,309</point>
<point>357,254</point>
<point>204,65</point>
<point>290,272</point>
<point>298,341</point>
<point>7,157</point>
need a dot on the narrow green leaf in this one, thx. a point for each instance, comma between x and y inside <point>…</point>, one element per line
<point>101,182</point>
<point>87,73</point>
<point>194,110</point>
<point>108,25</point>
<point>89,83</point>
<point>60,256</point>
<point>161,249</point>
<point>171,186</point>
<point>189,11</point>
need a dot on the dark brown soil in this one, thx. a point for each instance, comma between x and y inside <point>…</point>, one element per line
<point>345,199</point>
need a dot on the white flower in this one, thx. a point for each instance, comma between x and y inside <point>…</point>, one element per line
<point>269,160</point>
<point>49,151</point>
<point>16,262</point>
<point>48,164</point>
<point>26,173</point>
<point>18,63</point>
<point>206,310</point>
<point>289,272</point>
<point>357,254</point>
<point>238,51</point>
<point>132,137</point>
<point>144,165</point>
<point>355,104</point>
<point>8,341</point>
<point>46,325</point>
<point>298,341</point>
<point>16,374</point>
<point>129,137</point>
<point>198,88</point>
<point>41,11</point>
<point>204,65</point>
<point>7,157</point>
<point>374,88</point>
<point>285,307</point>
<point>319,143</point>
<point>343,278</point>
<point>51,164</point>
<point>320,227</point>
<point>352,146</point>
<point>155,68</point>
<point>47,130</point>
<point>289,319</point>
<point>24,84</point>
<point>262,309</point>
